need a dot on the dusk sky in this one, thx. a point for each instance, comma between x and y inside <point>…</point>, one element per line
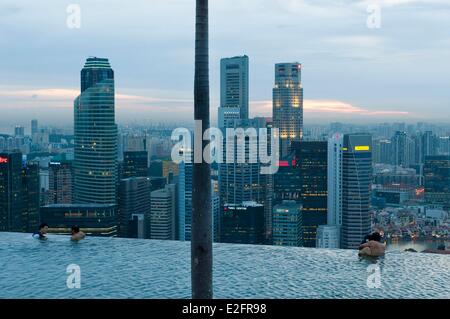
<point>351,73</point>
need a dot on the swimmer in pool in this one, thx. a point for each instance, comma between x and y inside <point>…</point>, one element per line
<point>372,246</point>
<point>43,229</point>
<point>77,234</point>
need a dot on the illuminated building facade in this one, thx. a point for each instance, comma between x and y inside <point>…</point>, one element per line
<point>135,164</point>
<point>288,104</point>
<point>311,162</point>
<point>60,182</point>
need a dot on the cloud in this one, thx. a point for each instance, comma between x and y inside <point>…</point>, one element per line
<point>54,94</point>
<point>356,41</point>
<point>403,64</point>
<point>160,104</point>
<point>68,95</point>
<point>332,107</point>
<point>55,105</point>
<point>394,3</point>
<point>9,10</point>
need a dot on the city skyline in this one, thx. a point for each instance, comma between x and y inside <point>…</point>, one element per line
<point>351,72</point>
<point>280,149</point>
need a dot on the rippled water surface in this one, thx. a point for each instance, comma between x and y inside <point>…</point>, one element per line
<point>131,268</point>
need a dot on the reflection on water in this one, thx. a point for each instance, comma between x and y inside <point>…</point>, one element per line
<point>418,245</point>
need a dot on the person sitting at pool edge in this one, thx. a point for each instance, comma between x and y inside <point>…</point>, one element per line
<point>77,234</point>
<point>372,246</point>
<point>43,229</point>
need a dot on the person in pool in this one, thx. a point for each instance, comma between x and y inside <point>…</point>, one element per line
<point>372,246</point>
<point>43,229</point>
<point>77,234</point>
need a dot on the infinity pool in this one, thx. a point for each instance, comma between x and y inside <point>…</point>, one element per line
<point>131,268</point>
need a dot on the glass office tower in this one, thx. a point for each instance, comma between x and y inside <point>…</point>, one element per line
<point>288,104</point>
<point>10,191</point>
<point>234,83</point>
<point>436,172</point>
<point>356,184</point>
<point>95,165</point>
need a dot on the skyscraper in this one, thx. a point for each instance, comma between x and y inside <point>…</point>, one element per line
<point>243,182</point>
<point>436,172</point>
<point>335,153</point>
<point>215,207</point>
<point>60,182</point>
<point>302,177</point>
<point>163,213</point>
<point>34,127</point>
<point>311,162</point>
<point>328,236</point>
<point>95,165</point>
<point>349,180</point>
<point>30,197</point>
<point>443,145</point>
<point>242,224</point>
<point>287,181</point>
<point>11,192</point>
<point>234,83</point>
<point>240,182</point>
<point>19,193</point>
<point>287,224</point>
<point>135,164</point>
<point>156,168</point>
<point>428,145</point>
<point>185,203</point>
<point>356,182</point>
<point>19,131</point>
<point>134,199</point>
<point>402,148</point>
<point>383,151</point>
<point>288,104</point>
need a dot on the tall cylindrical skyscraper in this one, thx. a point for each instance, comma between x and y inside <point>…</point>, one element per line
<point>95,165</point>
<point>288,104</point>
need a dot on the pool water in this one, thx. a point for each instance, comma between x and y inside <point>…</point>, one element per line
<point>133,268</point>
<point>418,245</point>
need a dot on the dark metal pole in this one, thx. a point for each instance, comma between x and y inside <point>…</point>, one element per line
<point>201,238</point>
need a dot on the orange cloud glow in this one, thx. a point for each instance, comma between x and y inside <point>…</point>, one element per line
<point>328,106</point>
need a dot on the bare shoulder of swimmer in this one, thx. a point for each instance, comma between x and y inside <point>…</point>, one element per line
<point>377,247</point>
<point>374,244</point>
